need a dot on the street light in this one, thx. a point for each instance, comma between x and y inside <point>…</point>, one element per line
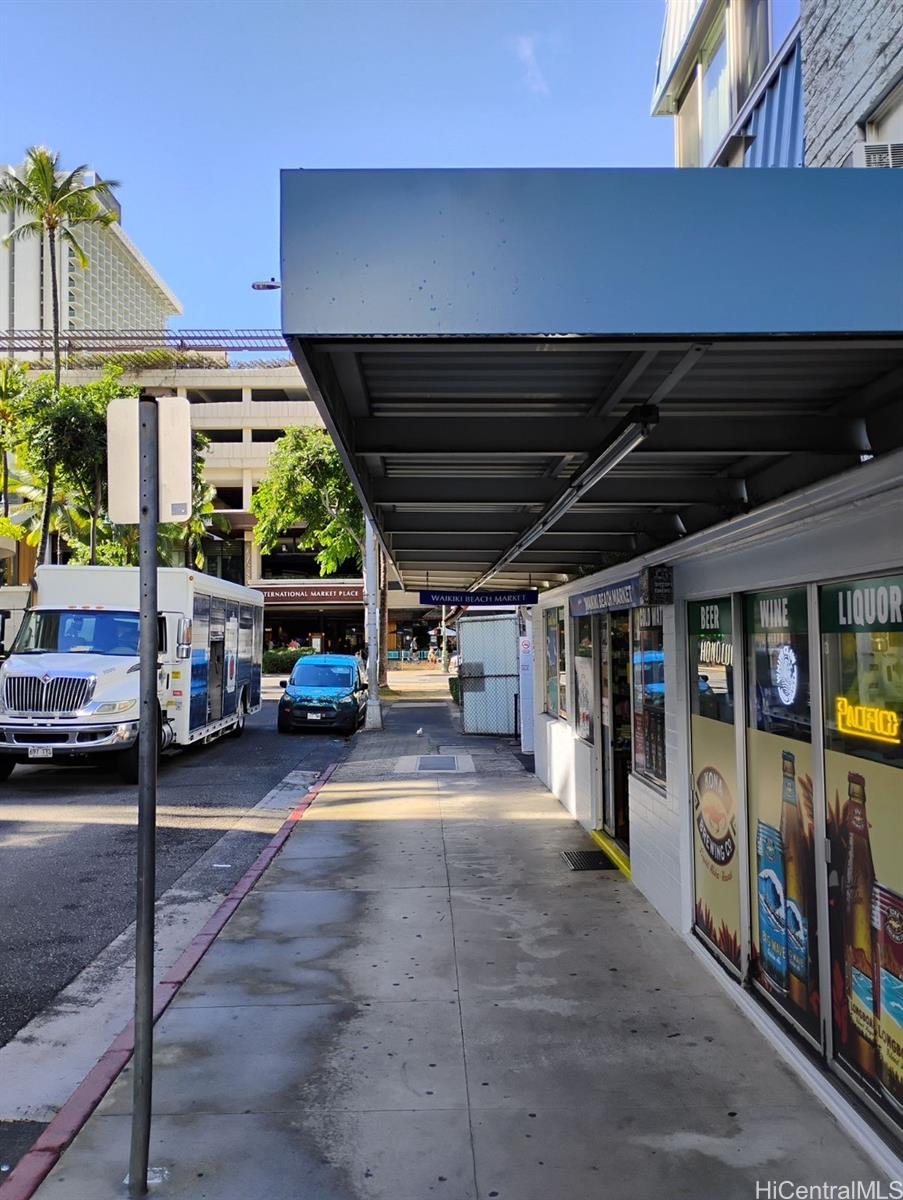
<point>267,285</point>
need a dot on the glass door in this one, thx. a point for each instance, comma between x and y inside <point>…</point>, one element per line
<point>618,825</point>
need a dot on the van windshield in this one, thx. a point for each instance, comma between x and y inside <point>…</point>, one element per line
<point>322,675</point>
<point>79,632</point>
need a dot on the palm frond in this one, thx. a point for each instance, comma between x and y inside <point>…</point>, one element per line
<point>24,230</point>
<point>67,236</point>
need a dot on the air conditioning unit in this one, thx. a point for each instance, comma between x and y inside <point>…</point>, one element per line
<point>878,154</point>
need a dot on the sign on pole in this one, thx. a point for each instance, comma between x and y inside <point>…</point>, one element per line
<point>478,599</point>
<point>123,464</point>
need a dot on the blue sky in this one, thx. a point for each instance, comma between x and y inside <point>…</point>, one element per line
<point>196,104</point>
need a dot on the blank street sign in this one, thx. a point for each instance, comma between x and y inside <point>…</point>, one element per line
<point>175,459</point>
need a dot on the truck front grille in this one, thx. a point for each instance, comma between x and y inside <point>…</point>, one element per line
<point>31,695</point>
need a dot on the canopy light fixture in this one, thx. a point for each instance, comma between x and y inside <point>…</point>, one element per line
<point>635,427</point>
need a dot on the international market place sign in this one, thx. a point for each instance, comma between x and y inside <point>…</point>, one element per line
<point>478,599</point>
<point>330,593</point>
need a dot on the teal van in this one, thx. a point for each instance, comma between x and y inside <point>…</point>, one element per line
<point>323,690</point>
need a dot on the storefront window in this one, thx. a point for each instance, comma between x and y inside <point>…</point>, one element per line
<point>714,751</point>
<point>583,676</point>
<point>649,692</point>
<point>862,674</point>
<point>781,806</point>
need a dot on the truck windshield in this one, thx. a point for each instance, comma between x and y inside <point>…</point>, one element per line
<point>67,632</point>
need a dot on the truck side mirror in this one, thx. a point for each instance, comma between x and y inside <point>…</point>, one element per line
<point>183,651</point>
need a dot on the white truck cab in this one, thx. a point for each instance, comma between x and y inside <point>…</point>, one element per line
<point>69,685</point>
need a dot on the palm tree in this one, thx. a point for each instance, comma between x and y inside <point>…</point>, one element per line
<point>50,202</point>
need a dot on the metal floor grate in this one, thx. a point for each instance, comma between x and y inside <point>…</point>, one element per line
<point>588,860</point>
<point>437,762</point>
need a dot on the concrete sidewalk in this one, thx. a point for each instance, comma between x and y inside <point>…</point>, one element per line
<point>420,1000</point>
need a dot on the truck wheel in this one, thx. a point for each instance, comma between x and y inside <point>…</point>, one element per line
<point>7,766</point>
<point>127,760</point>
<point>239,726</point>
<point>127,763</point>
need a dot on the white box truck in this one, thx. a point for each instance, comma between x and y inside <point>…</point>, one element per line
<point>69,684</point>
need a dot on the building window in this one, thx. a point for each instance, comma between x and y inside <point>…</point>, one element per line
<point>751,42</point>
<point>556,671</point>
<point>649,692</point>
<point>688,126</point>
<point>583,676</point>
<point>716,94</point>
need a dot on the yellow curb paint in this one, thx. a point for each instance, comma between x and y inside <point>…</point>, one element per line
<point>613,850</point>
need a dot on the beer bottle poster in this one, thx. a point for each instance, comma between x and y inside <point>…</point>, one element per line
<point>715,792</point>
<point>783,916</point>
<point>862,672</point>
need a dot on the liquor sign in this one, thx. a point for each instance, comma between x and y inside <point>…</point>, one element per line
<point>479,599</point>
<point>714,789</point>
<point>862,669</point>
<point>312,593</point>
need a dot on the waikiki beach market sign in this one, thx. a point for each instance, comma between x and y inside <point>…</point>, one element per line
<point>653,586</point>
<point>478,599</point>
<point>313,593</point>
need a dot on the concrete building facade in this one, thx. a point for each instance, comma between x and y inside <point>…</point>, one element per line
<point>853,82</point>
<point>119,290</point>
<point>243,411</point>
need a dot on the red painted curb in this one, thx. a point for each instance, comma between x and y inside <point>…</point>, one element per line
<point>34,1167</point>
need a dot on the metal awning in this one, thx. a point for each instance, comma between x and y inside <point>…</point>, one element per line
<point>503,356</point>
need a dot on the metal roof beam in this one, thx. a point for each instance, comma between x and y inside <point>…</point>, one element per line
<point>573,524</point>
<point>495,437</point>
<point>622,491</point>
<point>443,544</point>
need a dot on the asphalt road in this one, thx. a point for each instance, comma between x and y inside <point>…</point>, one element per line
<point>67,863</point>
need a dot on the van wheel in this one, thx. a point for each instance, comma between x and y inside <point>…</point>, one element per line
<point>239,727</point>
<point>7,766</point>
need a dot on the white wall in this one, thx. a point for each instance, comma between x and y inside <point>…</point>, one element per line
<point>849,528</point>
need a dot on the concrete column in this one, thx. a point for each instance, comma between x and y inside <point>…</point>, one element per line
<point>371,587</point>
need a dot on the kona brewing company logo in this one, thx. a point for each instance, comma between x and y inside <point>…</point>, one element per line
<point>715,816</point>
<point>893,926</point>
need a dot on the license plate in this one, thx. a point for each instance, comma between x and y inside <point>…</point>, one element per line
<point>40,752</point>
<point>314,716</point>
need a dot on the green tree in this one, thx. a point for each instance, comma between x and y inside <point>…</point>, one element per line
<point>51,203</point>
<point>307,486</point>
<point>12,383</point>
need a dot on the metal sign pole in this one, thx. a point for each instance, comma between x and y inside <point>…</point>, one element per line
<point>444,642</point>
<point>148,518</point>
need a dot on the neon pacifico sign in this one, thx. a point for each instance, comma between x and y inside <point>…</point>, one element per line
<point>867,721</point>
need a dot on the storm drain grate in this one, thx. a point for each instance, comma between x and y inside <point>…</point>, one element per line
<point>588,860</point>
<point>437,762</point>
